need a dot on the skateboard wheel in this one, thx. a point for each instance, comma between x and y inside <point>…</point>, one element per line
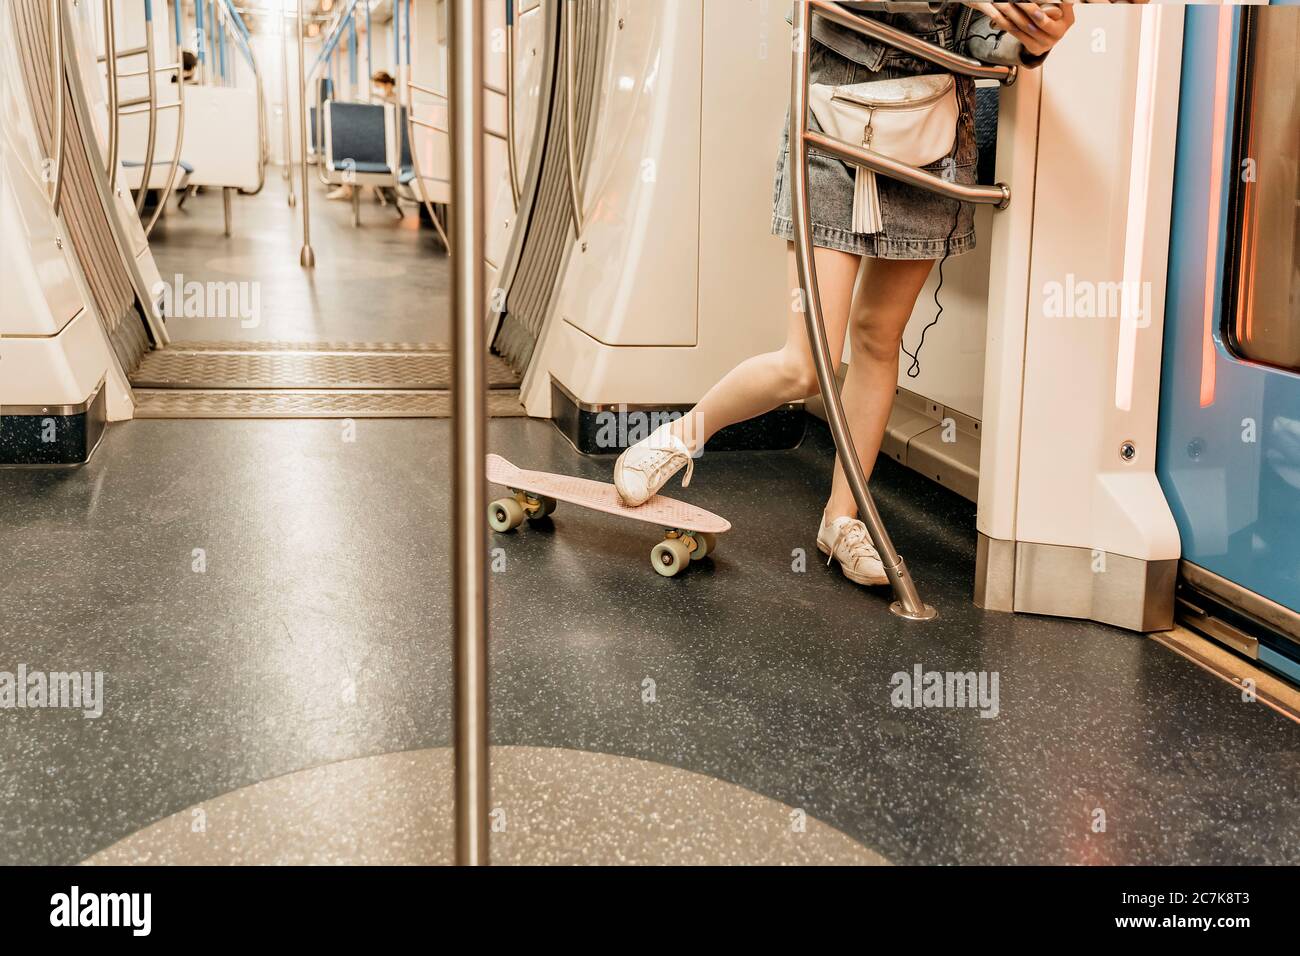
<point>669,557</point>
<point>705,542</point>
<point>545,507</point>
<point>505,514</point>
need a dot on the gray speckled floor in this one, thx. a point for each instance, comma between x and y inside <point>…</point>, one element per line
<point>319,632</point>
<point>550,807</point>
<point>372,284</point>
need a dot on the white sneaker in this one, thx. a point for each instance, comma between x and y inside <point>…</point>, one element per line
<point>646,467</point>
<point>845,540</point>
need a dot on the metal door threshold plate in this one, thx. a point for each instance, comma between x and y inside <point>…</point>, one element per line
<point>350,368</point>
<point>287,346</point>
<point>311,403</point>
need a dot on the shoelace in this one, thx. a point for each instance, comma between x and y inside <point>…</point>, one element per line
<point>662,458</point>
<point>853,534</point>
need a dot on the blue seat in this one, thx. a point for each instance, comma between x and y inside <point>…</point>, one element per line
<point>406,161</point>
<point>357,138</point>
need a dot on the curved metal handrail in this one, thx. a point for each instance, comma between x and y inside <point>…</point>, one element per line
<point>570,118</point>
<point>240,34</point>
<point>152,79</point>
<point>82,110</point>
<point>318,144</point>
<point>933,53</point>
<point>999,194</point>
<point>512,155</point>
<point>533,161</point>
<point>172,173</point>
<point>411,122</point>
<point>58,141</point>
<point>110,58</point>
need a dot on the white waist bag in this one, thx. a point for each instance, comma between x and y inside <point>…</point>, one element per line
<point>912,119</point>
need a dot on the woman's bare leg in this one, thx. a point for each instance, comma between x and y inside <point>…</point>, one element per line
<point>767,381</point>
<point>886,296</point>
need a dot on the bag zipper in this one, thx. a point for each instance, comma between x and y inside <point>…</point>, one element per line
<point>867,130</point>
<point>840,94</point>
<point>963,30</point>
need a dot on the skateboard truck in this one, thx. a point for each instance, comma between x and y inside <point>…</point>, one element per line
<point>506,514</point>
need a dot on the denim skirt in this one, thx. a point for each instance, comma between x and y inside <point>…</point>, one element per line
<point>917,224</point>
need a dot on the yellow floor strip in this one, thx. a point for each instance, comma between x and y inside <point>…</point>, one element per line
<point>310,403</point>
<point>1218,660</point>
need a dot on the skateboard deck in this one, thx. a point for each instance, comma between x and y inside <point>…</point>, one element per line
<point>535,493</point>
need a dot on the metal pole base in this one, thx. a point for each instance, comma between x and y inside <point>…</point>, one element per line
<point>909,604</point>
<point>307,258</point>
<point>924,613</point>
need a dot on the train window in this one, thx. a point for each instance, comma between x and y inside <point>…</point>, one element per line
<point>1262,318</point>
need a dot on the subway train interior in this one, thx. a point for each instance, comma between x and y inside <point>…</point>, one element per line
<point>299,296</point>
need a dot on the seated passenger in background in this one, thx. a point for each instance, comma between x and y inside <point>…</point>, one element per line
<point>189,66</point>
<point>384,90</point>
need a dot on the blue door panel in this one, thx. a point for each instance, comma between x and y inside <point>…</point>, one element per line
<point>1229,444</point>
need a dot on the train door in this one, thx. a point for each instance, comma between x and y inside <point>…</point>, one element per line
<point>1229,440</point>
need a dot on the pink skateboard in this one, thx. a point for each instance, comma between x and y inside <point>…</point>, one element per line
<point>689,531</point>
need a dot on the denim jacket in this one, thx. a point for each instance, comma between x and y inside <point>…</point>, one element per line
<point>950,25</point>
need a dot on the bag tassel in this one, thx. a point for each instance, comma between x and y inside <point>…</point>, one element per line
<point>866,202</point>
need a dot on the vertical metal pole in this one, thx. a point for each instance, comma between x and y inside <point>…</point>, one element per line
<point>397,35</point>
<point>397,43</point>
<point>469,432</point>
<point>307,257</point>
<point>370,58</point>
<point>352,53</point>
<point>221,47</point>
<point>213,27</point>
<point>288,128</point>
<point>908,603</point>
<point>200,40</point>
